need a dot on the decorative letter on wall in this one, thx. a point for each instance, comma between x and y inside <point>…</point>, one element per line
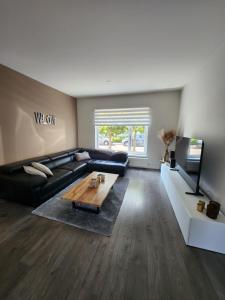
<point>43,119</point>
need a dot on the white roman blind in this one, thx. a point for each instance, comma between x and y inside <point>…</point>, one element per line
<point>122,116</point>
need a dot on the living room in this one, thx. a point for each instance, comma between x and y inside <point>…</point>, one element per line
<point>97,102</point>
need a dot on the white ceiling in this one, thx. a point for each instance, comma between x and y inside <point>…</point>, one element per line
<point>96,47</point>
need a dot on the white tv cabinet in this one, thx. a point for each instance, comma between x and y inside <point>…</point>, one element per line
<point>198,230</point>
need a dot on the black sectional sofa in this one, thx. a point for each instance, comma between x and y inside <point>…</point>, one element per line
<point>16,185</point>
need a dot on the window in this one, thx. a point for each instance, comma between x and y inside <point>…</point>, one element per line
<point>122,130</point>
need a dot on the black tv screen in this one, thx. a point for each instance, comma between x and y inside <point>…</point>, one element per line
<point>189,152</point>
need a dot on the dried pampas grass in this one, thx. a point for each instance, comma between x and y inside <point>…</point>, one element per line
<point>167,137</point>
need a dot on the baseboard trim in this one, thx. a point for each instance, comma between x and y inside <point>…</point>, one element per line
<point>144,169</point>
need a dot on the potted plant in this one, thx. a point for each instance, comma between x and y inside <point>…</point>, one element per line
<point>167,137</point>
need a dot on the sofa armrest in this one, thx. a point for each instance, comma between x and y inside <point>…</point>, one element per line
<point>23,179</point>
<point>23,188</point>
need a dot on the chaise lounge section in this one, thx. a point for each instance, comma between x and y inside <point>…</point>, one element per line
<point>107,161</point>
<point>16,185</point>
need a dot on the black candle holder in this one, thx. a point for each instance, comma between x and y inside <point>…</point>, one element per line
<point>213,209</point>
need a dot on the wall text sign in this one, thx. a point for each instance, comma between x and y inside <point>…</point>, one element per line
<point>43,119</point>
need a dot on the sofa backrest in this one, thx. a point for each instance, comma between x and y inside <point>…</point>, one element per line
<point>106,155</point>
<point>99,154</point>
<point>18,166</point>
<point>59,160</point>
<point>119,156</point>
<point>52,161</point>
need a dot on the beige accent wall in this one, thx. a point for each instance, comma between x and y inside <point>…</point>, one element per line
<point>20,136</point>
<point>164,108</point>
<point>202,115</point>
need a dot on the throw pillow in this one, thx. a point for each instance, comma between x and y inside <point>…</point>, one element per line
<point>42,168</point>
<point>82,156</point>
<point>33,171</point>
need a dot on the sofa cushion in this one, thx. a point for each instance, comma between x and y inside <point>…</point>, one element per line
<point>82,156</point>
<point>107,166</point>
<point>75,166</point>
<point>32,171</point>
<point>60,177</point>
<point>42,168</point>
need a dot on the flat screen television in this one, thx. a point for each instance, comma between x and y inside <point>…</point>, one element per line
<point>189,154</point>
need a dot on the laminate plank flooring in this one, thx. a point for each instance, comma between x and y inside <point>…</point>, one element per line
<point>145,258</point>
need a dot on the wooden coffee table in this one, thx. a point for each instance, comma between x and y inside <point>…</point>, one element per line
<point>84,197</point>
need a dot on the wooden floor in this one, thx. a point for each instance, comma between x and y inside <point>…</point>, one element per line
<point>145,258</point>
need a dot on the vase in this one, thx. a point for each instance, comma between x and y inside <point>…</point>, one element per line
<point>166,154</point>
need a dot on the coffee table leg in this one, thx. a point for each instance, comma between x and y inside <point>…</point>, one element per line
<point>98,210</point>
<point>73,205</point>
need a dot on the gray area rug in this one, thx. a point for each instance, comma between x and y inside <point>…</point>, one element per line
<point>60,210</point>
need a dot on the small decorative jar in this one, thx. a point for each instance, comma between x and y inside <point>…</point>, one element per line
<point>200,205</point>
<point>93,183</point>
<point>101,177</point>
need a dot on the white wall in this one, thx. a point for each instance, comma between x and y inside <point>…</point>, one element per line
<point>164,110</point>
<point>202,114</point>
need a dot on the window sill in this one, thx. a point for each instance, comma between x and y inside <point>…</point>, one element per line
<point>138,156</point>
